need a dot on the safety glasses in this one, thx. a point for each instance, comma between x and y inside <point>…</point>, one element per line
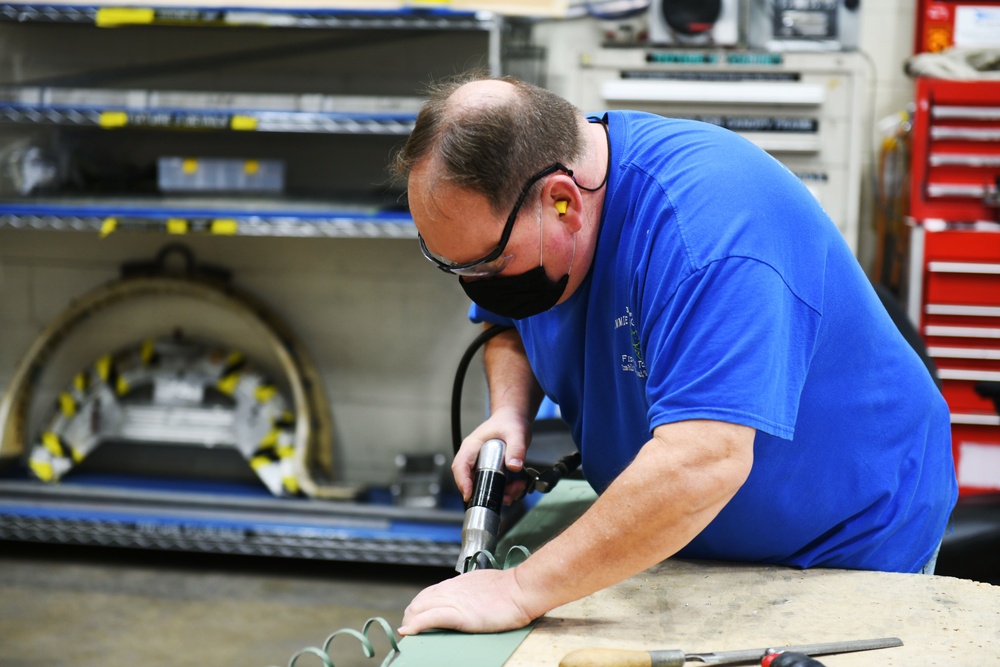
<point>495,261</point>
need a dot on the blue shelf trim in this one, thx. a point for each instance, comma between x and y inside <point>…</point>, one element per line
<point>402,12</point>
<point>392,530</point>
<point>152,212</point>
<point>190,111</point>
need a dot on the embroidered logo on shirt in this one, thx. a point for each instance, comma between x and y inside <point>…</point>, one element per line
<point>632,362</point>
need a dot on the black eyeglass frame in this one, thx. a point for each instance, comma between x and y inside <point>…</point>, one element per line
<point>508,227</point>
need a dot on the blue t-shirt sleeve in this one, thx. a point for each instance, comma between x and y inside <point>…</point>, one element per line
<point>710,356</point>
<point>479,315</point>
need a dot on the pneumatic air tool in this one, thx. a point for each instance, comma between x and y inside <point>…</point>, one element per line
<point>481,525</point>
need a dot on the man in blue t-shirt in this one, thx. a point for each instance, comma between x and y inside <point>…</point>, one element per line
<point>735,387</point>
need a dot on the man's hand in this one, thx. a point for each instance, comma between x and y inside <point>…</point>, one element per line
<point>508,426</point>
<point>478,601</point>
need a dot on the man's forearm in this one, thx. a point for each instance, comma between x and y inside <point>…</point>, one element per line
<point>674,488</point>
<point>511,381</point>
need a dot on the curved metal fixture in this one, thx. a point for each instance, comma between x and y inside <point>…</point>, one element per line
<point>313,458</point>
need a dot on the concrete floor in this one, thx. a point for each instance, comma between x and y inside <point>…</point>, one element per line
<point>90,607</point>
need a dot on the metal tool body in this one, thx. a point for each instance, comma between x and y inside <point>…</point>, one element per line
<point>481,525</point>
<point>677,658</point>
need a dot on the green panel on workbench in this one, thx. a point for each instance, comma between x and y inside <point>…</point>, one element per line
<point>556,510</point>
<point>456,649</point>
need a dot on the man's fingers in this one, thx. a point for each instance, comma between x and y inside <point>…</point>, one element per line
<point>515,455</point>
<point>464,465</point>
<point>431,609</point>
<point>515,489</point>
<point>445,618</point>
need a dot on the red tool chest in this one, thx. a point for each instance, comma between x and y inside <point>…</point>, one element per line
<point>955,262</point>
<point>956,150</point>
<point>942,24</point>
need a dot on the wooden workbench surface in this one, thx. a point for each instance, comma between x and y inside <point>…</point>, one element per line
<point>705,607</point>
<point>701,606</point>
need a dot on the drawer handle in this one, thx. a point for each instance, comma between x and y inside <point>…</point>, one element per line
<point>971,311</point>
<point>967,374</point>
<point>966,133</point>
<point>960,332</point>
<point>964,267</point>
<point>743,93</point>
<point>975,420</point>
<point>966,112</point>
<point>964,160</point>
<point>963,353</point>
<point>970,190</point>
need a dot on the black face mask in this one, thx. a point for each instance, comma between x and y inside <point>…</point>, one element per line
<point>519,296</point>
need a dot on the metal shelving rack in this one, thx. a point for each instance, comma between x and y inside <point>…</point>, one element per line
<point>106,110</point>
<point>408,18</point>
<point>128,514</point>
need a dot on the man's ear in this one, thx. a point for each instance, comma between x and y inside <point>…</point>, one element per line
<point>561,193</point>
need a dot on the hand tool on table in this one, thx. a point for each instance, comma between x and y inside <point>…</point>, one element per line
<point>604,657</point>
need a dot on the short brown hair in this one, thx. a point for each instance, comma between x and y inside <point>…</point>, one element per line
<point>492,149</point>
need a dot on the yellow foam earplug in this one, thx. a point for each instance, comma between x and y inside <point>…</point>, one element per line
<point>561,206</point>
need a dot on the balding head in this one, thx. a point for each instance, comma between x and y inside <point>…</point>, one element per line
<point>490,135</point>
<point>484,92</point>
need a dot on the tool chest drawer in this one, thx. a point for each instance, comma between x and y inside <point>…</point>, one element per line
<point>960,323</point>
<point>955,161</point>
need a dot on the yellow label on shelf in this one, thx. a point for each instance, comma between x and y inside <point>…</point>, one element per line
<point>251,167</point>
<point>109,119</point>
<point>177,226</point>
<point>109,17</point>
<point>224,226</point>
<point>108,226</point>
<point>245,123</point>
<point>189,166</point>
